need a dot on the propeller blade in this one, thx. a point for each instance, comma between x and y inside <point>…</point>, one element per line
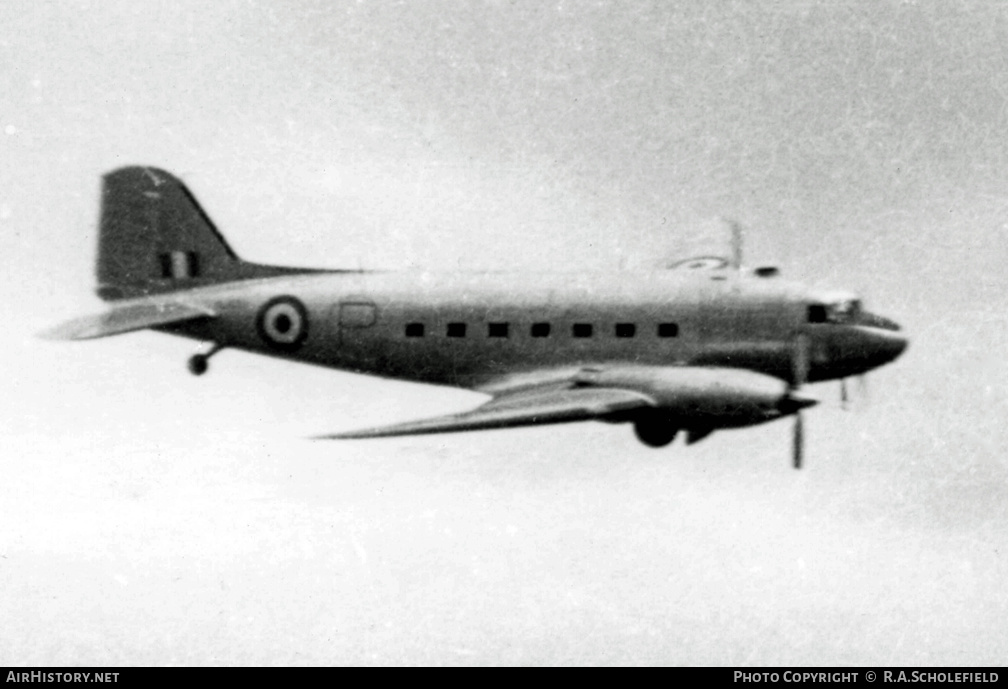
<point>799,361</point>
<point>843,394</point>
<point>798,447</point>
<point>736,240</point>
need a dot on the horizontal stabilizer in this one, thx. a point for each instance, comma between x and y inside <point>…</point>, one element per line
<point>525,409</point>
<point>125,318</point>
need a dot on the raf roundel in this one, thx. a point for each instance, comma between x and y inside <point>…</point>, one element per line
<point>283,323</point>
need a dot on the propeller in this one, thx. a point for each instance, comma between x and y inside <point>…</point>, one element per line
<point>736,243</point>
<point>799,375</point>
<point>798,440</point>
<point>861,392</point>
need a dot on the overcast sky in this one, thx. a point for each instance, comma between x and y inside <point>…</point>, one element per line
<point>147,517</point>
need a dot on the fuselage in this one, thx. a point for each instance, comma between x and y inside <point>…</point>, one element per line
<point>703,345</point>
<point>470,329</point>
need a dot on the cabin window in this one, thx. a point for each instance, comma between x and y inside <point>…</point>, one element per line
<point>414,330</point>
<point>816,313</point>
<point>626,330</point>
<point>497,330</point>
<point>456,330</point>
<point>668,330</point>
<point>540,330</point>
<point>582,330</point>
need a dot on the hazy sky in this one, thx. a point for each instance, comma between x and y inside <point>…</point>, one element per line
<point>150,517</point>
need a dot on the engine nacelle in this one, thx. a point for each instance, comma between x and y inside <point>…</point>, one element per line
<point>708,397</point>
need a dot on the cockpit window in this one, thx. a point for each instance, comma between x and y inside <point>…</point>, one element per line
<point>844,311</point>
<point>840,312</point>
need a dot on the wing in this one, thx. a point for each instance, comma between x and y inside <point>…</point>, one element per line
<point>127,317</point>
<point>525,408</point>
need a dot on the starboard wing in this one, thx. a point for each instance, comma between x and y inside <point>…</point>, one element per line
<point>699,263</point>
<point>127,317</point>
<point>519,409</point>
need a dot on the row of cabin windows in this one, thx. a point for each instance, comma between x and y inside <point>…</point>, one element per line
<point>580,330</point>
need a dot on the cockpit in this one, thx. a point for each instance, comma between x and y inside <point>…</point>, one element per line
<point>841,311</point>
<point>845,309</point>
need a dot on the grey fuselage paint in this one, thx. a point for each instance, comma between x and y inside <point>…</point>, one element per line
<point>367,322</point>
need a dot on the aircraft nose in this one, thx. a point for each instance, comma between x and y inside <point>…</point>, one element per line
<point>889,345</point>
<point>884,339</point>
<point>862,349</point>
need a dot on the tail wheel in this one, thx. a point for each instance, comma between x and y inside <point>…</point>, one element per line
<point>655,430</point>
<point>198,364</point>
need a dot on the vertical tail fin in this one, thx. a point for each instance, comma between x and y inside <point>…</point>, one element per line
<point>154,237</point>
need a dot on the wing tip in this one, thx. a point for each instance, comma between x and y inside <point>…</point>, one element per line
<point>334,436</point>
<point>62,332</point>
<point>360,434</point>
<point>52,334</point>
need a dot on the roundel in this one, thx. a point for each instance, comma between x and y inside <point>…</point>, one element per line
<point>283,323</point>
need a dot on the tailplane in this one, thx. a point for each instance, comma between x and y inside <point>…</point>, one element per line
<point>154,238</point>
